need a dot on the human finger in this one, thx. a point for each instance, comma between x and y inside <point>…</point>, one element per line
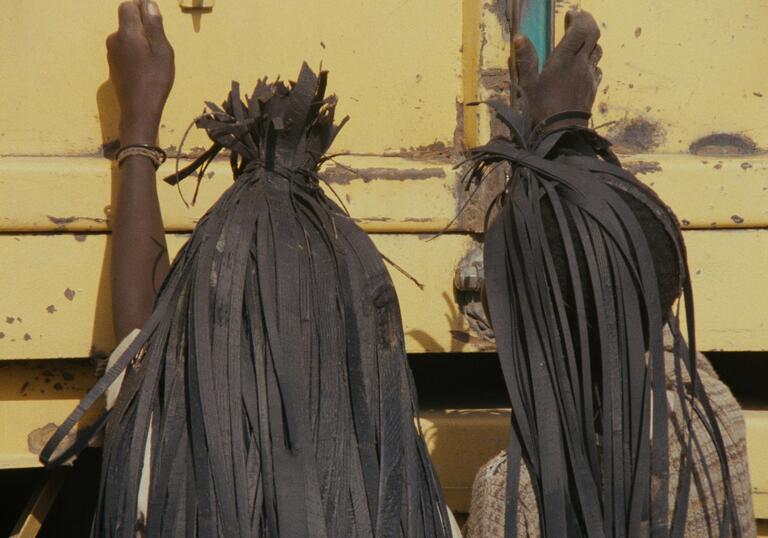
<point>527,61</point>
<point>129,17</point>
<point>153,21</point>
<point>581,34</point>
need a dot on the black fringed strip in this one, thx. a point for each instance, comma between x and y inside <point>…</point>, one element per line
<point>271,378</point>
<point>587,441</point>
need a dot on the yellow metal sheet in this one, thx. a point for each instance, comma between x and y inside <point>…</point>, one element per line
<point>460,441</point>
<point>386,194</point>
<point>74,193</point>
<point>37,395</point>
<point>395,66</point>
<point>675,72</point>
<point>757,440</point>
<point>730,282</point>
<point>35,398</point>
<point>54,298</point>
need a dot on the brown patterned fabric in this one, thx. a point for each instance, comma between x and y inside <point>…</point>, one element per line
<point>486,517</point>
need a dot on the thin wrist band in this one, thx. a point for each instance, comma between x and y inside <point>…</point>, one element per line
<point>153,153</point>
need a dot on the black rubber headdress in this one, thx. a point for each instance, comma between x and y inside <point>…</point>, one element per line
<point>272,374</point>
<point>575,303</point>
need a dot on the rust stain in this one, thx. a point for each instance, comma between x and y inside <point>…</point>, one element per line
<point>479,343</point>
<point>643,167</point>
<point>69,294</point>
<point>499,9</point>
<point>27,337</point>
<point>745,166</point>
<point>2,334</point>
<point>458,133</point>
<point>37,438</point>
<point>192,153</point>
<point>437,151</point>
<point>374,219</point>
<point>638,31</point>
<point>109,149</point>
<point>636,135</point>
<point>63,221</point>
<point>495,78</point>
<point>10,320</point>
<point>723,144</point>
<point>344,175</point>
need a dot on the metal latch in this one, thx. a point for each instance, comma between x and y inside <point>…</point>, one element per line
<point>470,275</point>
<point>468,282</point>
<point>197,5</point>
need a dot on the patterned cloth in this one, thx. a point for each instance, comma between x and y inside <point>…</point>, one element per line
<point>486,517</point>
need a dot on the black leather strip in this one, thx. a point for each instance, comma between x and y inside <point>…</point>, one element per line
<point>583,416</point>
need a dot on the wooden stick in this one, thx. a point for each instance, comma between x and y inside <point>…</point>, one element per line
<point>34,513</point>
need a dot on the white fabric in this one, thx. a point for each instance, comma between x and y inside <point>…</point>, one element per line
<point>111,396</point>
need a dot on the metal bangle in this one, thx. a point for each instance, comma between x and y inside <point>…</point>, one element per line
<point>153,153</point>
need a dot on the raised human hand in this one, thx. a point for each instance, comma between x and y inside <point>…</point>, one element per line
<point>571,75</point>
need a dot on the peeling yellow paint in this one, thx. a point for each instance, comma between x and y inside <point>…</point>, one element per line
<point>74,194</point>
<point>36,397</point>
<point>674,74</point>
<point>695,68</point>
<point>74,277</point>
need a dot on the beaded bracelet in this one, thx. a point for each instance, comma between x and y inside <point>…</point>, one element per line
<point>153,153</point>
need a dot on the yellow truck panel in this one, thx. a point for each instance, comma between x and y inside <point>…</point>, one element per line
<point>395,66</point>
<point>683,99</point>
<point>57,302</point>
<point>386,194</point>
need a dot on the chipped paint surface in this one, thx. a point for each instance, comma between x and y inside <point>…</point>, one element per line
<point>37,396</point>
<point>36,195</point>
<point>642,167</point>
<point>636,135</point>
<point>39,436</point>
<point>344,175</point>
<point>659,65</point>
<point>699,144</point>
<point>82,327</point>
<point>723,144</point>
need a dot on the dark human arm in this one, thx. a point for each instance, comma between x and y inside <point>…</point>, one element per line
<point>570,76</point>
<point>142,69</point>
